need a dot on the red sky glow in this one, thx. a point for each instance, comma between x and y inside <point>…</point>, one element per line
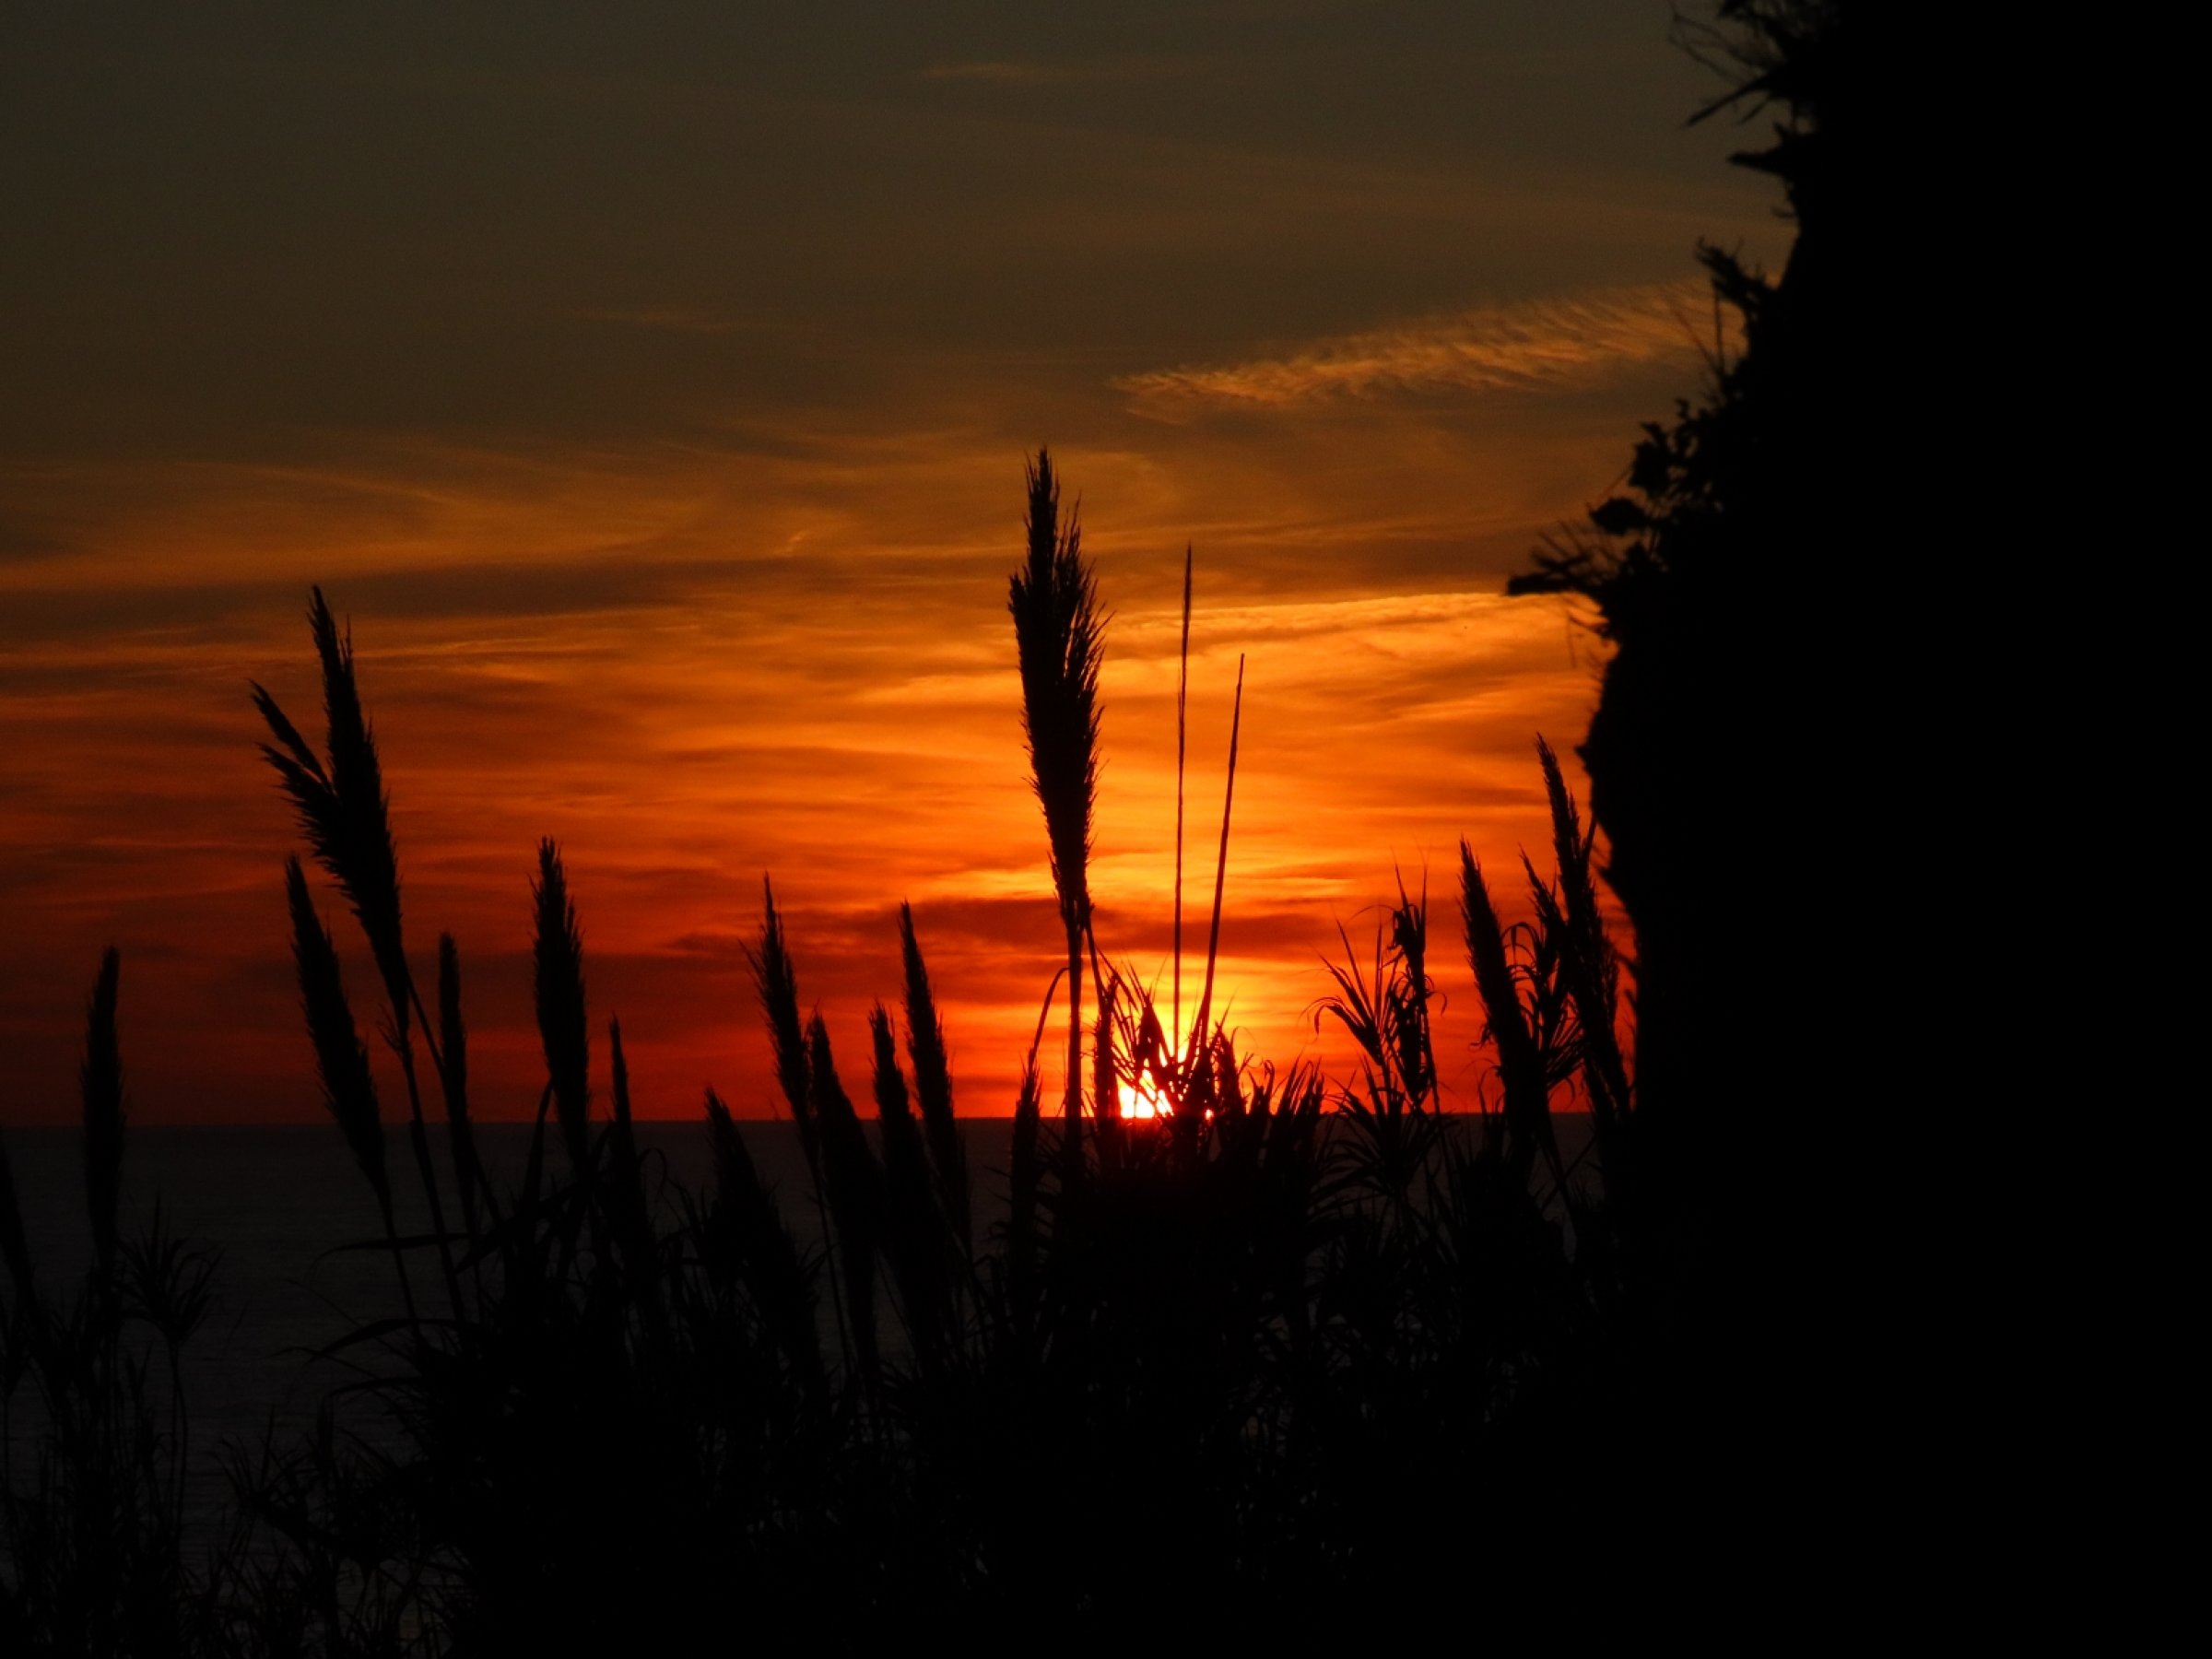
<point>651,389</point>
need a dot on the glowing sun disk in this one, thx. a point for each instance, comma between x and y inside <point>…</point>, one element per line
<point>1139,1100</point>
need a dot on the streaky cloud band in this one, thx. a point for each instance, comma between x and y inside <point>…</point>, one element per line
<point>1535,345</point>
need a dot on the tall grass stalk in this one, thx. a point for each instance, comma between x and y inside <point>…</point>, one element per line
<point>625,1192</point>
<point>746,1230</point>
<point>101,1080</point>
<point>1024,1169</point>
<point>933,1084</point>
<point>914,1225</point>
<point>776,981</point>
<point>342,809</point>
<point>557,960</point>
<point>1522,1075</point>
<point>453,1078</point>
<point>1059,635</point>
<point>564,1033</point>
<point>345,814</point>
<point>1201,1027</point>
<point>855,1185</point>
<point>1105,1088</point>
<point>1592,969</point>
<point>1183,704</point>
<point>341,1063</point>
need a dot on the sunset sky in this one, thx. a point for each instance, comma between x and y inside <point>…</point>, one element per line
<point>651,386</point>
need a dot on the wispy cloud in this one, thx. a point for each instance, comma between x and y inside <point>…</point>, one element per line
<point>1537,346</point>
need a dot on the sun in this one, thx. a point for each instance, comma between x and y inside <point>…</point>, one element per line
<point>1140,1101</point>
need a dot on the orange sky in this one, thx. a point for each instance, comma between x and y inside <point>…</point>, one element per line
<point>652,394</point>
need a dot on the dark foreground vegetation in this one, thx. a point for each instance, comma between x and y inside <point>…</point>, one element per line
<point>1218,1356</point>
<point>1295,1355</point>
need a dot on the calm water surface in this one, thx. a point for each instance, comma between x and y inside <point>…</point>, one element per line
<point>288,1214</point>
<point>285,1211</point>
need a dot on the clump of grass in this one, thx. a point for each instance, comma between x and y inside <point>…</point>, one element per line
<point>1383,1007</point>
<point>94,1427</point>
<point>1238,1320</point>
<point>1590,966</point>
<point>1522,1070</point>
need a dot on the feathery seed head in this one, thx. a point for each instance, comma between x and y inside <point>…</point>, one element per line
<point>340,802</point>
<point>893,1104</point>
<point>778,983</point>
<point>561,1024</point>
<point>1059,636</point>
<point>932,1079</point>
<point>341,1063</point>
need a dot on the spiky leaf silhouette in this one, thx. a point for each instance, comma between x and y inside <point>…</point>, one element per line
<point>933,1082</point>
<point>340,802</point>
<point>562,1030</point>
<point>341,1061</point>
<point>777,981</point>
<point>1059,635</point>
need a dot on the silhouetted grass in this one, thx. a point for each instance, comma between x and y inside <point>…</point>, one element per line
<point>1303,1355</point>
<point>1059,640</point>
<point>94,1432</point>
<point>452,1075</point>
<point>343,812</point>
<point>1229,1334</point>
<point>1235,1334</point>
<point>562,1028</point>
<point>933,1084</point>
<point>341,1063</point>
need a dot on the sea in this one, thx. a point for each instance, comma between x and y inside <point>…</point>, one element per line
<point>298,1258</point>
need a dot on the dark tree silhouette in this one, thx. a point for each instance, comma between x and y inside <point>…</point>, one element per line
<point>1755,579</point>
